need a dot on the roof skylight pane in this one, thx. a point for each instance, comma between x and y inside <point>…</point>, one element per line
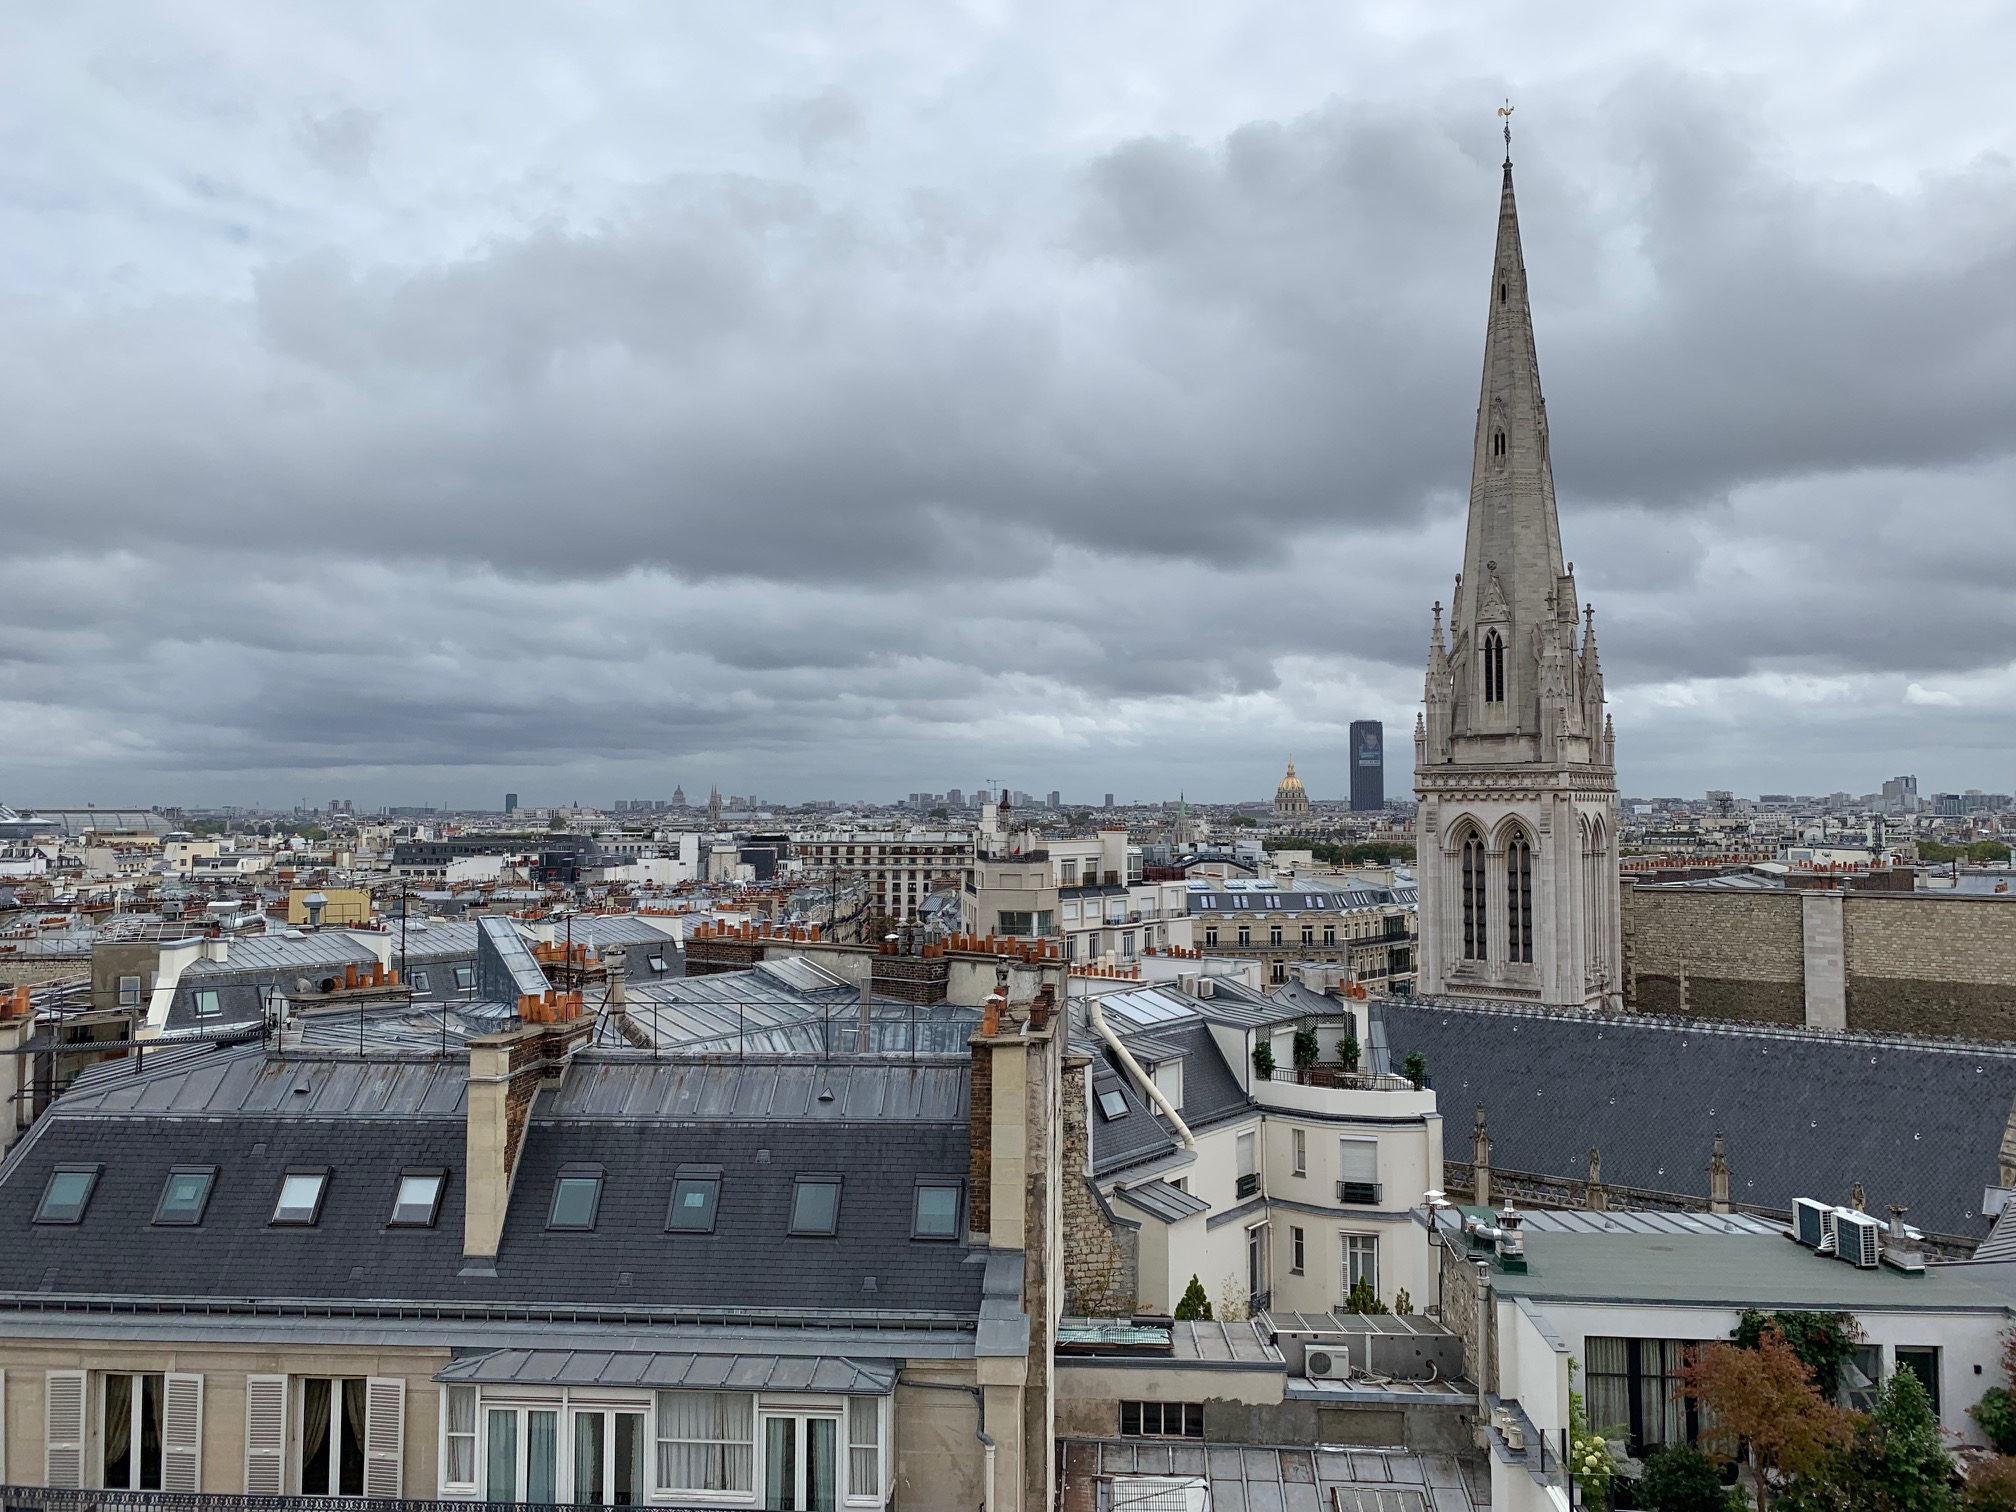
<point>937,1214</point>
<point>418,1199</point>
<point>815,1205</point>
<point>575,1198</point>
<point>67,1194</point>
<point>1112,1104</point>
<point>300,1196</point>
<point>185,1196</point>
<point>694,1200</point>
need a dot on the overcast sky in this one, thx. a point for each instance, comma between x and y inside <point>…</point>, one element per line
<point>410,403</point>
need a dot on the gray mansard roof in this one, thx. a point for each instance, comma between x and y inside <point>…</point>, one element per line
<point>367,1122</point>
<point>1805,1112</point>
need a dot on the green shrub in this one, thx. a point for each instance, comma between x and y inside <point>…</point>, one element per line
<point>1680,1478</point>
<point>1263,1061</point>
<point>1996,1413</point>
<point>1195,1306</point>
<point>1306,1048</point>
<point>1347,1051</point>
<point>1362,1299</point>
<point>1415,1068</point>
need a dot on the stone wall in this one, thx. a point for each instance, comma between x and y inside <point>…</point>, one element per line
<point>1714,954</point>
<point>1932,964</point>
<point>707,957</point>
<point>912,979</point>
<point>1101,1254</point>
<point>980,1142</point>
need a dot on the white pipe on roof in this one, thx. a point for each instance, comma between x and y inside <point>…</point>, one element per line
<point>1147,1083</point>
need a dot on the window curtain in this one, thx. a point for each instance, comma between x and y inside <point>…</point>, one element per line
<point>502,1476</point>
<point>1609,1376</point>
<point>351,1465</point>
<point>864,1423</point>
<point>119,1432</point>
<point>1662,1407</point>
<point>315,1437</point>
<point>706,1441</point>
<point>821,1461</point>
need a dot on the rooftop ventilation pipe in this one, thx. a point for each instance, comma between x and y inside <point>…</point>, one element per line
<point>1142,1079</point>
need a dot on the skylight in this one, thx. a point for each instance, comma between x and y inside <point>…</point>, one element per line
<point>419,1199</point>
<point>209,1002</point>
<point>694,1201</point>
<point>67,1194</point>
<point>936,1215</point>
<point>465,977</point>
<point>815,1205</point>
<point>576,1196</point>
<point>185,1196</point>
<point>1112,1104</point>
<point>301,1193</point>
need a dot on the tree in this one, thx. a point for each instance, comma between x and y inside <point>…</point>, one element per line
<point>1415,1068</point>
<point>1762,1410</point>
<point>1909,1462</point>
<point>1195,1304</point>
<point>1347,1051</point>
<point>1991,1487</point>
<point>1680,1478</point>
<point>1362,1299</point>
<point>1306,1047</point>
<point>1263,1061</point>
<point>941,813</point>
<point>1822,1340</point>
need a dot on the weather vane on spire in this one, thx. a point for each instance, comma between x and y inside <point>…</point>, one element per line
<point>1505,111</point>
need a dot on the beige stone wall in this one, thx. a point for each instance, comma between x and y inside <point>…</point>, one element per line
<point>1914,963</point>
<point>1727,955</point>
<point>938,1460</point>
<point>223,1368</point>
<point>1936,965</point>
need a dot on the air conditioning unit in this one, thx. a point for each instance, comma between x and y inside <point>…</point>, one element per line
<point>1327,1362</point>
<point>1858,1238</point>
<point>1813,1224</point>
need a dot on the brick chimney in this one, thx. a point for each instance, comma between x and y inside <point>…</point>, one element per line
<point>506,1072</point>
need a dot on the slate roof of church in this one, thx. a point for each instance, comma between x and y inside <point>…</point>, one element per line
<point>1805,1112</point>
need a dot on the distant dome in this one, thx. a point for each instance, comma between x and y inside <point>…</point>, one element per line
<point>1291,797</point>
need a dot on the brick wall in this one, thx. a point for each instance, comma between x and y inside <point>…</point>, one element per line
<point>706,957</point>
<point>912,979</point>
<point>1101,1258</point>
<point>980,1143</point>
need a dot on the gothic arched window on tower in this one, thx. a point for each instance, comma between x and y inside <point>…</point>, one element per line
<point>1473,897</point>
<point>1519,901</point>
<point>1497,443</point>
<point>1494,667</point>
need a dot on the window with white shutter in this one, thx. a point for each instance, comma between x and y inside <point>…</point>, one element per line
<point>182,1434</point>
<point>384,1435</point>
<point>63,1429</point>
<point>265,1434</point>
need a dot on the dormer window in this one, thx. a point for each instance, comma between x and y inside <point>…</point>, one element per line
<point>1494,667</point>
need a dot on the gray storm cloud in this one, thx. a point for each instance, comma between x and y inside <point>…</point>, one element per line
<point>817,468</point>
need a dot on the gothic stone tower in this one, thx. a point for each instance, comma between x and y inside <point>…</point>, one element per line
<point>1514,759</point>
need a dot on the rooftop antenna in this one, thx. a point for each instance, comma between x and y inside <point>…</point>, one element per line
<point>1505,113</point>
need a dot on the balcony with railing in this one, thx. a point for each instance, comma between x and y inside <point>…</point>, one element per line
<point>1358,1193</point>
<point>1247,1185</point>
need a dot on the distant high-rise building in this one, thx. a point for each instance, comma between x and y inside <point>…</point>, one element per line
<point>510,803</point>
<point>1109,800</point>
<point>1368,766</point>
<point>954,798</point>
<point>1056,798</point>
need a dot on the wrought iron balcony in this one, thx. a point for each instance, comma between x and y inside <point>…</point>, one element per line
<point>1249,1186</point>
<point>1360,1193</point>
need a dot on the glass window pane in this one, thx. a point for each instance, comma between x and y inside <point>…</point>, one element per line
<point>821,1464</point>
<point>502,1482</point>
<point>693,1203</point>
<point>815,1207</point>
<point>574,1202</point>
<point>937,1211</point>
<point>64,1198</point>
<point>300,1193</point>
<point>417,1196</point>
<point>864,1420</point>
<point>542,1457</point>
<point>182,1199</point>
<point>461,1435</point>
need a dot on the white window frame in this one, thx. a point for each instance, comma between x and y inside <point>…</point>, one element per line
<point>1168,1078</point>
<point>754,1443</point>
<point>445,1459</point>
<point>1298,1140</point>
<point>1356,1248</point>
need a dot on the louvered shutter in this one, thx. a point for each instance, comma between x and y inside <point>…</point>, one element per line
<point>182,1433</point>
<point>384,1435</point>
<point>63,1429</point>
<point>265,1434</point>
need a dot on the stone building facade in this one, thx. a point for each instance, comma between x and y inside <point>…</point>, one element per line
<point>1515,770</point>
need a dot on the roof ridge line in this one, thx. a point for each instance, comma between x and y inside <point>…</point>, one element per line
<point>1805,1032</point>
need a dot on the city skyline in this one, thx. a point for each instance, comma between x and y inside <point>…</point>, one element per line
<point>584,415</point>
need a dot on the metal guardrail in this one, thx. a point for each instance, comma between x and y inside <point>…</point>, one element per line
<point>61,1499</point>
